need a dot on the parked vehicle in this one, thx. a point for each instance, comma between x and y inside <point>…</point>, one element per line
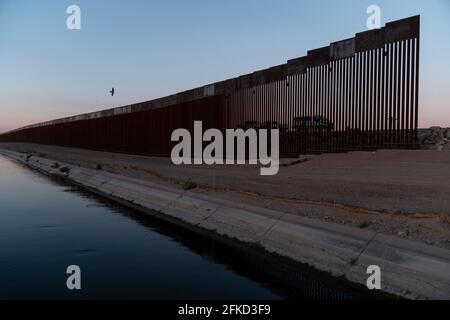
<point>283,127</point>
<point>270,125</point>
<point>252,124</point>
<point>313,123</point>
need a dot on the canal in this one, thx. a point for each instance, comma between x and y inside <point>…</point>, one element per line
<point>47,225</point>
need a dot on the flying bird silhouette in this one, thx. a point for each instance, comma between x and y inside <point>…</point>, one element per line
<point>112,92</point>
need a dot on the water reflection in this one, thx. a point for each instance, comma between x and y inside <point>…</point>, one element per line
<point>46,225</point>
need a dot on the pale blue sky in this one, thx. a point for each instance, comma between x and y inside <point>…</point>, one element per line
<point>148,49</point>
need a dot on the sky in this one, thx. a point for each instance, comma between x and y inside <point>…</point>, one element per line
<point>149,49</point>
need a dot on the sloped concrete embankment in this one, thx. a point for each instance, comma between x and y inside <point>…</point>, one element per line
<point>409,269</point>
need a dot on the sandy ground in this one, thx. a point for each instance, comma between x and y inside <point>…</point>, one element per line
<point>402,193</point>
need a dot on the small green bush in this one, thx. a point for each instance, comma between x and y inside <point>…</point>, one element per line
<point>364,225</point>
<point>65,170</point>
<point>189,185</point>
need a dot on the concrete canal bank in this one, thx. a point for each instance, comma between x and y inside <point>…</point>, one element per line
<point>409,269</point>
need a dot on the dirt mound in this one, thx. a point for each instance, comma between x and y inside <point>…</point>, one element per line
<point>434,138</point>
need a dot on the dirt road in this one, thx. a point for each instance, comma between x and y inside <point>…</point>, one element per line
<point>403,193</point>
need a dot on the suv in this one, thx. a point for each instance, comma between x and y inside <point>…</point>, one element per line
<point>252,124</point>
<point>270,125</point>
<point>313,122</point>
<point>283,127</point>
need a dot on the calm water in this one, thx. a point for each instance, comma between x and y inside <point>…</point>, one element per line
<point>46,226</point>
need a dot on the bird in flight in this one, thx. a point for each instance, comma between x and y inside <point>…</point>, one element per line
<point>112,92</point>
